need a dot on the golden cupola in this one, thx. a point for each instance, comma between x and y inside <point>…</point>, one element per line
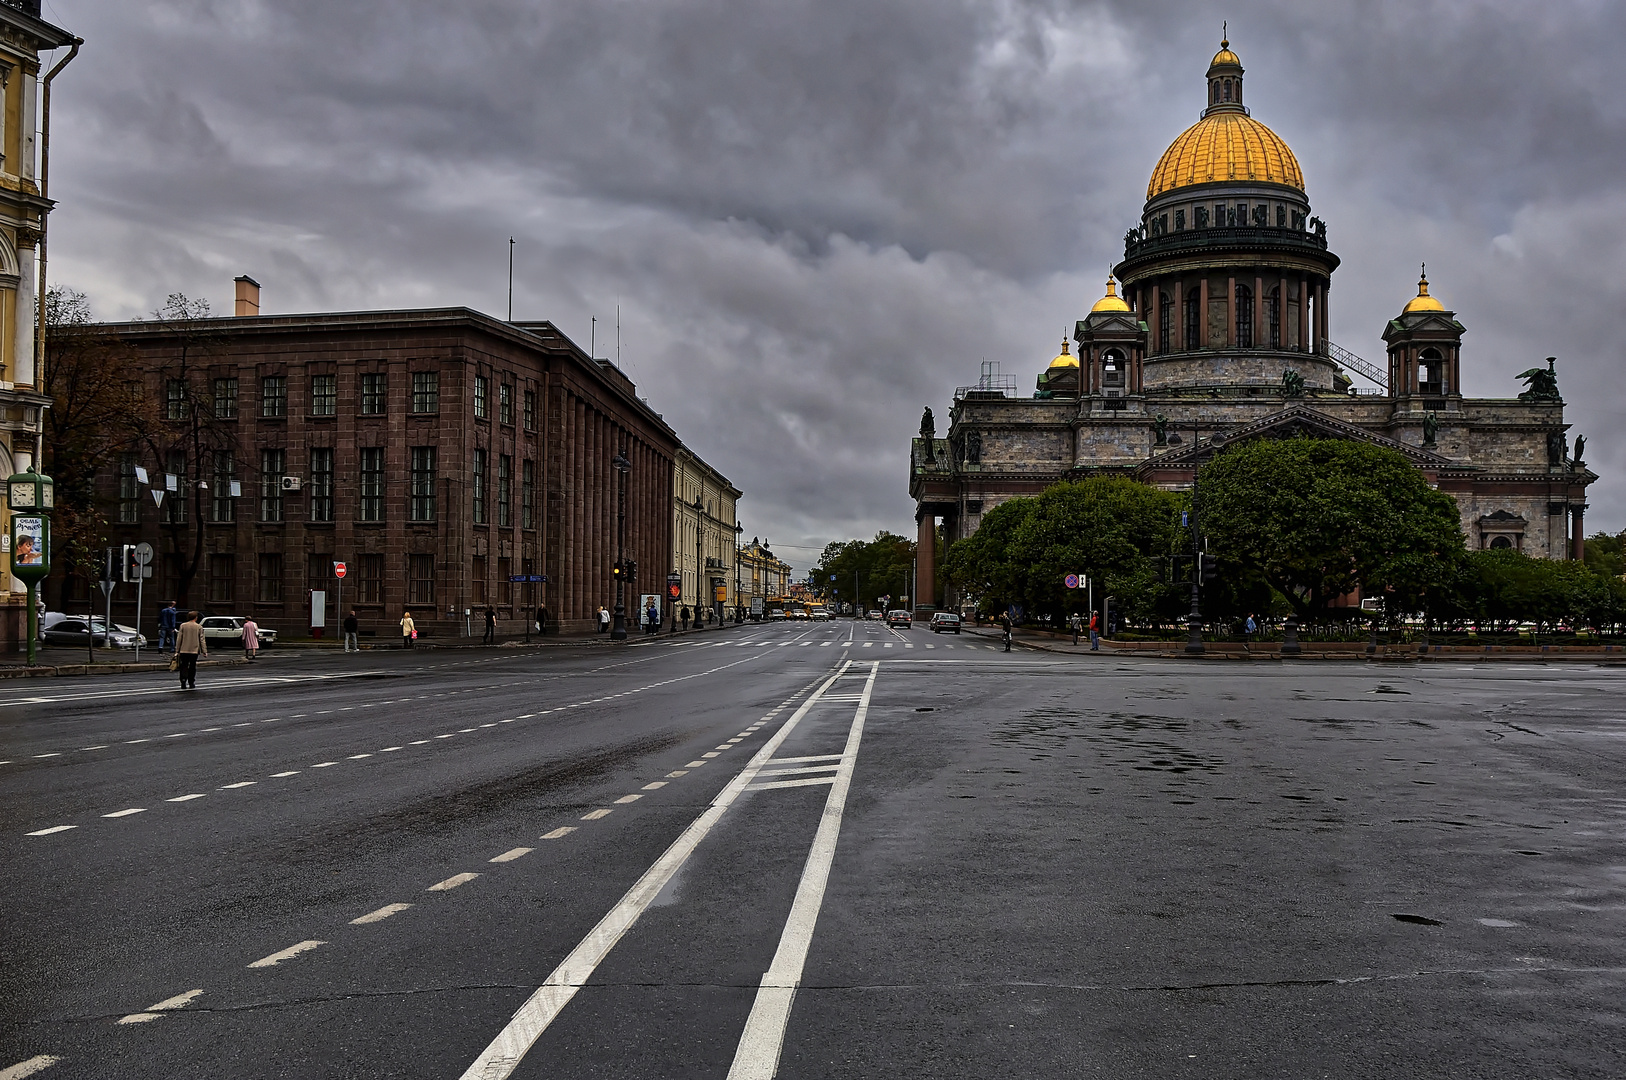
<point>1422,301</point>
<point>1227,144</point>
<point>1065,359</point>
<point>1110,302</point>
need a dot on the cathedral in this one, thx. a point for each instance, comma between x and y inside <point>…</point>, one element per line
<point>1214,328</point>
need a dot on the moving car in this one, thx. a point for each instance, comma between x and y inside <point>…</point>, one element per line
<point>230,628</point>
<point>59,629</point>
<point>819,614</point>
<point>776,614</point>
<point>899,617</point>
<point>945,620</point>
<point>877,615</point>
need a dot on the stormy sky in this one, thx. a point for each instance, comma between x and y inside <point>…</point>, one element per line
<point>818,216</point>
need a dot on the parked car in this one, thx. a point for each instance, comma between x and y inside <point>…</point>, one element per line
<point>60,629</point>
<point>899,617</point>
<point>230,628</point>
<point>945,620</point>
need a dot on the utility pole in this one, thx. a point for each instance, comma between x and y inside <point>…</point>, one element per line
<point>510,279</point>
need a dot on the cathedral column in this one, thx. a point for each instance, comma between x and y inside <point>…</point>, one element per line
<point>925,555</point>
<point>1304,312</point>
<point>1281,311</point>
<point>1179,319</point>
<point>1260,341</point>
<point>1155,310</point>
<point>1202,322</point>
<point>1577,533</point>
<point>1230,312</point>
<point>1320,319</point>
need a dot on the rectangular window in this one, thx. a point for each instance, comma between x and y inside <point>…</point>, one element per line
<point>505,403</point>
<point>324,395</point>
<point>372,394</point>
<point>222,579</point>
<point>423,484</point>
<point>527,494</point>
<point>370,579</point>
<point>372,483</point>
<point>175,501</point>
<point>226,398</point>
<point>270,590</point>
<point>129,491</point>
<point>505,570</point>
<point>479,397</point>
<point>174,399</point>
<point>319,572</point>
<point>477,482</point>
<point>478,588</point>
<point>274,395</point>
<point>421,581</point>
<point>221,505</point>
<point>505,484</point>
<point>426,391</point>
<point>530,410</point>
<point>272,464</point>
<point>321,493</point>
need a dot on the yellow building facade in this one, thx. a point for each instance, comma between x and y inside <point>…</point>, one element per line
<point>705,527</point>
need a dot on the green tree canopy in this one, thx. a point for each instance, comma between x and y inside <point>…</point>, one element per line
<point>875,568</point>
<point>1315,518</point>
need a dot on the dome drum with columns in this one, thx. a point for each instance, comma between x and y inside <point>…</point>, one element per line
<point>1215,328</point>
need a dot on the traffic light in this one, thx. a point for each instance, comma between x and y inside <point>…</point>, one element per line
<point>632,570</point>
<point>615,571</point>
<point>1207,568</point>
<point>132,569</point>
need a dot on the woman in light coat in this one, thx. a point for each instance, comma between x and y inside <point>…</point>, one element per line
<point>251,638</point>
<point>409,630</point>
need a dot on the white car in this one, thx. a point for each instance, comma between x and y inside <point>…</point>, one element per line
<point>57,628</point>
<point>230,628</point>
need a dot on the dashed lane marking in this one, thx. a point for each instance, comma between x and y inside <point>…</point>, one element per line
<point>623,800</point>
<point>594,815</point>
<point>186,798</point>
<point>560,832</point>
<point>153,1012</point>
<point>52,829</point>
<point>655,785</point>
<point>29,1067</point>
<point>513,853</point>
<point>380,915</point>
<point>286,954</point>
<point>289,772</point>
<point>239,784</point>
<point>451,883</point>
<point>695,764</point>
<point>127,813</point>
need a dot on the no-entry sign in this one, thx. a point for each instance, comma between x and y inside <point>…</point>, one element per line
<point>338,569</point>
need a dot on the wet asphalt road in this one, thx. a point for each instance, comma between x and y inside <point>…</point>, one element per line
<point>813,851</point>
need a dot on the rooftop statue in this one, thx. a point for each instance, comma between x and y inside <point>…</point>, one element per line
<point>1292,384</point>
<point>1541,385</point>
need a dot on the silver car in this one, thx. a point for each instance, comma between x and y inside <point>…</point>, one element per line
<point>60,629</point>
<point>230,628</point>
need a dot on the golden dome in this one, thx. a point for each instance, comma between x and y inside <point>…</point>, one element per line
<point>1066,359</point>
<point>1222,146</point>
<point>1110,302</point>
<point>1225,57</point>
<point>1422,301</point>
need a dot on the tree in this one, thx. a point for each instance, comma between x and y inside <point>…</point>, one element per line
<point>1317,518</point>
<point>865,569</point>
<point>1120,532</point>
<point>98,406</point>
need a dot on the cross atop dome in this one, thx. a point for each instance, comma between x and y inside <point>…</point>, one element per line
<point>1225,81</point>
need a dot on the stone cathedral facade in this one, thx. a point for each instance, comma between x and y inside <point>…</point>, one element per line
<point>1215,329</point>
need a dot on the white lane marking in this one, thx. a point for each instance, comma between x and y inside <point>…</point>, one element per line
<point>324,764</point>
<point>594,815</point>
<point>725,746</point>
<point>675,773</point>
<point>451,883</point>
<point>286,954</point>
<point>380,915</point>
<point>389,749</point>
<point>209,729</point>
<point>179,1001</point>
<point>655,785</point>
<point>806,781</point>
<point>29,1067</point>
<point>177,735</point>
<point>127,813</point>
<point>417,742</point>
<point>801,760</point>
<point>695,764</point>
<point>101,747</point>
<point>513,853</point>
<point>757,1057</point>
<point>239,784</point>
<point>52,829</point>
<point>771,771</point>
<point>132,742</point>
<point>290,772</point>
<point>503,1054</point>
<point>444,736</point>
<point>357,757</point>
<point>711,754</point>
<point>623,800</point>
<point>52,754</point>
<point>185,798</point>
<point>148,691</point>
<point>563,830</point>
<point>867,644</point>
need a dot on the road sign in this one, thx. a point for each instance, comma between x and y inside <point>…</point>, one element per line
<point>339,570</point>
<point>1071,581</point>
<point>143,553</point>
<point>519,577</point>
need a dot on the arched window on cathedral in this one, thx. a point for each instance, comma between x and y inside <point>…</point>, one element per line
<point>1273,315</point>
<point>1227,89</point>
<point>1244,317</point>
<point>1195,338</point>
<point>1431,372</point>
<point>1112,369</point>
<point>1165,323</point>
<point>1500,543</point>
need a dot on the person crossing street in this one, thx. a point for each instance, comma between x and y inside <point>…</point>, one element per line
<point>189,645</point>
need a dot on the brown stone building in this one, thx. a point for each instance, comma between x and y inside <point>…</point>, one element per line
<point>1221,334</point>
<point>438,454</point>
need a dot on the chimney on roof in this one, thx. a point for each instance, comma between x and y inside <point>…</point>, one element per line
<point>248,296</point>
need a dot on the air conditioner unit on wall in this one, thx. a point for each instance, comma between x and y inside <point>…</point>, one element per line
<point>290,483</point>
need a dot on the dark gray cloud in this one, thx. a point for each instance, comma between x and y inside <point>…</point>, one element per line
<point>819,215</point>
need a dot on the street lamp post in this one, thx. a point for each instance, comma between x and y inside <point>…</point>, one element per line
<point>699,541</point>
<point>738,529</point>
<point>618,630</point>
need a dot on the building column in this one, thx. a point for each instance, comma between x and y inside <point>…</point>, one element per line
<point>1261,339</point>
<point>1304,312</point>
<point>1202,318</point>
<point>1320,319</point>
<point>1155,310</point>
<point>1178,321</point>
<point>22,370</point>
<point>1230,312</point>
<point>925,554</point>
<point>1577,532</point>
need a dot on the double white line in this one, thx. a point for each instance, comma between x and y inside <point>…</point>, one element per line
<point>758,1053</point>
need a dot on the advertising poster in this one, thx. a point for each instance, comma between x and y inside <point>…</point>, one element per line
<point>28,549</point>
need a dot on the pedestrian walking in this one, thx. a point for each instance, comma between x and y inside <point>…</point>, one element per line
<point>251,638</point>
<point>491,625</point>
<point>1005,624</point>
<point>652,619</point>
<point>351,627</point>
<point>685,616</point>
<point>1095,631</point>
<point>542,619</point>
<point>1075,622</point>
<point>168,620</point>
<point>189,645</point>
<point>603,619</point>
<point>1249,628</point>
<point>409,629</point>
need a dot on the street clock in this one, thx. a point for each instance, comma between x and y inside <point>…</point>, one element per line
<point>29,491</point>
